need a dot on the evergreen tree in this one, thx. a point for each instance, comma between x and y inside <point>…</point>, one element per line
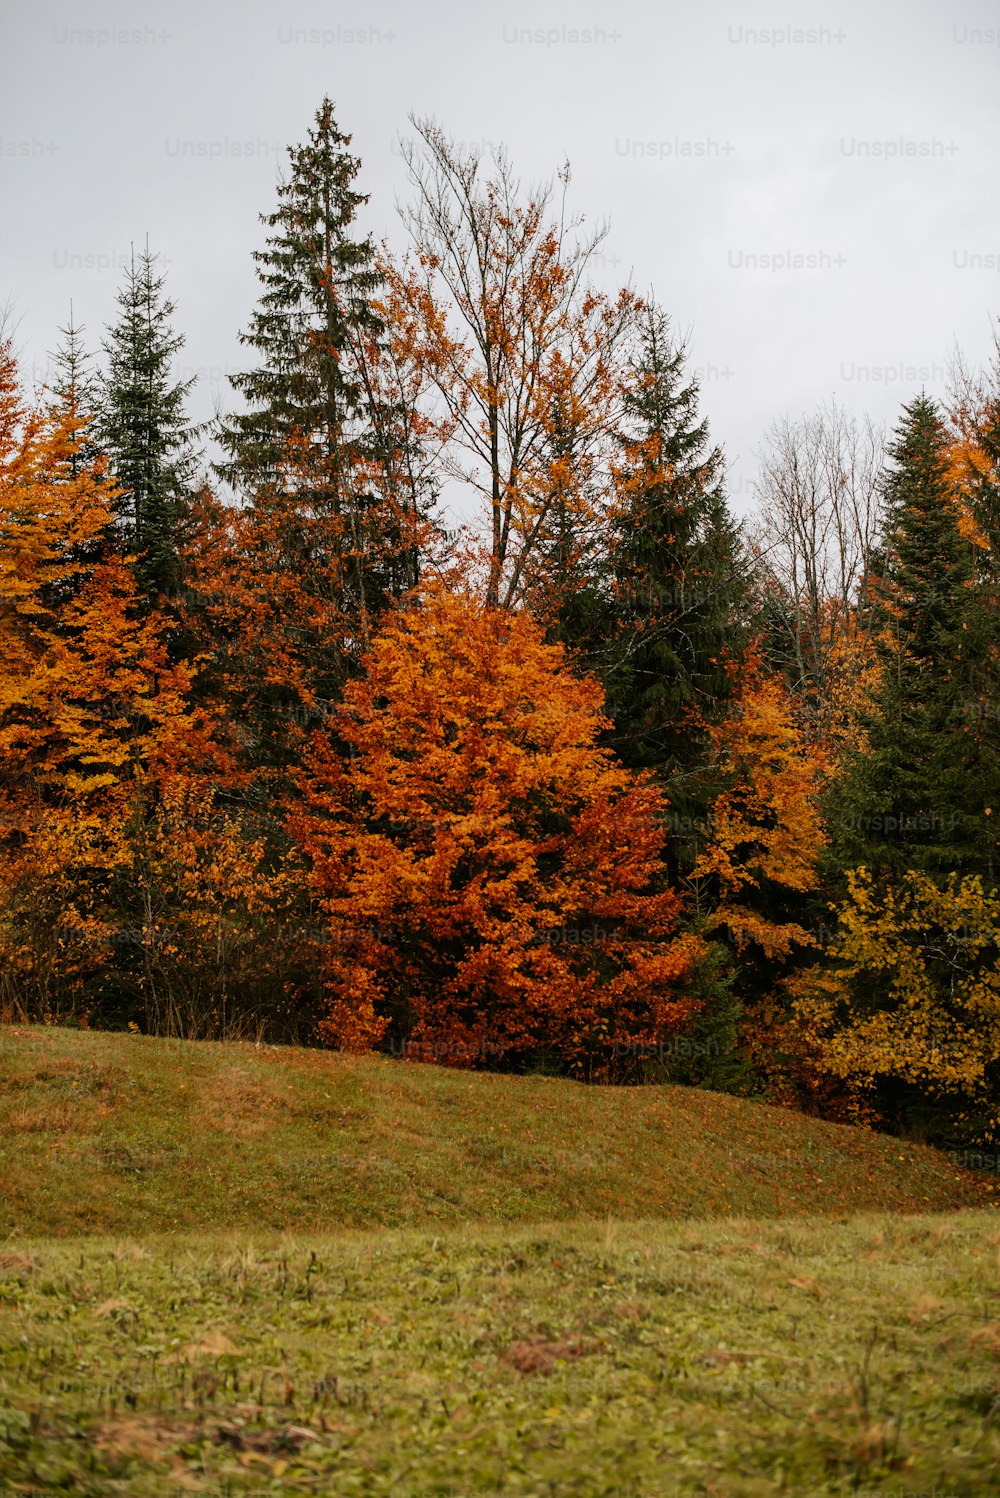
<point>318,284</point>
<point>322,436</point>
<point>923,790</point>
<point>76,392</point>
<point>679,580</point>
<point>75,399</point>
<point>327,459</point>
<point>143,427</point>
<point>568,588</point>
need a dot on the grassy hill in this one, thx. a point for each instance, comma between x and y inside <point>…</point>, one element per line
<point>231,1270</point>
<point>103,1133</point>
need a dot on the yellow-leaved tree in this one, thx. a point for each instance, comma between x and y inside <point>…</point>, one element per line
<point>756,876</point>
<point>907,1008</point>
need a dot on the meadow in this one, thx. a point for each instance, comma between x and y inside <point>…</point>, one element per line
<point>247,1270</point>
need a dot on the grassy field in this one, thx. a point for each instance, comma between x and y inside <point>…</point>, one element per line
<point>232,1270</point>
<point>108,1133</point>
<point>624,1360</point>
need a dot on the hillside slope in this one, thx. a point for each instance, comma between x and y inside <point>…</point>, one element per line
<point>118,1133</point>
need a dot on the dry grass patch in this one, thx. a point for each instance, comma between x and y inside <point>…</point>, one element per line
<point>241,1107</point>
<point>542,1357</point>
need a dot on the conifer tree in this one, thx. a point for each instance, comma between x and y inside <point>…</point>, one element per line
<point>679,581</point>
<point>321,435</point>
<point>923,789</point>
<point>318,284</point>
<point>144,428</point>
<point>327,460</point>
<point>77,394</point>
<point>75,399</point>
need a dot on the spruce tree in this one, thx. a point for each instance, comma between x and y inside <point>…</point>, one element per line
<point>923,790</point>
<point>76,391</point>
<point>568,581</point>
<point>679,580</point>
<point>318,284</point>
<point>75,396</point>
<point>319,427</point>
<point>144,428</point>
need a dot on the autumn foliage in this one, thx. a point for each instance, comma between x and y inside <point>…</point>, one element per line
<point>908,1004</point>
<point>489,874</point>
<point>766,830</point>
<point>469,724</point>
<point>125,886</point>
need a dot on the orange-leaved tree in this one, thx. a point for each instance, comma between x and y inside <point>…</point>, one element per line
<point>766,831</point>
<point>283,594</point>
<point>524,360</point>
<point>119,878</point>
<point>491,876</point>
<point>74,687</point>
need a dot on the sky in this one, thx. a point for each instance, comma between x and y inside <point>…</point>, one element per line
<point>810,193</point>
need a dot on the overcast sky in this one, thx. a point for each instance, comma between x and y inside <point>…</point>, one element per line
<point>860,140</point>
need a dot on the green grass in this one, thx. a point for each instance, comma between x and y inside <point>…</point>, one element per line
<point>103,1133</point>
<point>729,1358</point>
<point>227,1269</point>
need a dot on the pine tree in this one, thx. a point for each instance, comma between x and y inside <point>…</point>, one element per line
<point>144,428</point>
<point>679,581</point>
<point>923,789</point>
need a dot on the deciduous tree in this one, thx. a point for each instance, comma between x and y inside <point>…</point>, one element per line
<point>517,349</point>
<point>907,1006</point>
<point>491,877</point>
<point>819,524</point>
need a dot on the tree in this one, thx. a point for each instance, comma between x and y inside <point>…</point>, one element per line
<point>328,458</point>
<point>130,891</point>
<point>53,515</point>
<point>907,1007</point>
<point>974,473</point>
<point>319,284</point>
<point>489,875</point>
<point>680,582</point>
<point>758,870</point>
<point>515,347</point>
<point>327,428</point>
<point>766,831</point>
<point>144,429</point>
<point>77,392</point>
<point>567,577</point>
<point>85,694</point>
<point>973,417</point>
<point>816,536</point>
<point>920,791</point>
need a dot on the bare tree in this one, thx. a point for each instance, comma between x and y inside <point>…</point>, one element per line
<point>494,302</point>
<point>820,519</point>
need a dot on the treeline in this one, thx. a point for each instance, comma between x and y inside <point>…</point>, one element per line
<point>600,782</point>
